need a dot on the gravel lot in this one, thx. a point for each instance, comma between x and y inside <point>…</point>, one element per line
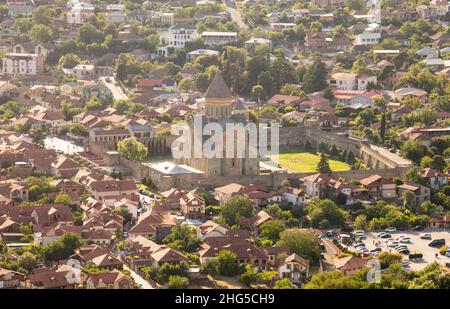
<point>416,245</point>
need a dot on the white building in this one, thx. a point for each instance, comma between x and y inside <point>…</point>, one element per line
<point>115,13</point>
<point>218,38</point>
<point>162,19</point>
<point>370,38</point>
<point>439,7</point>
<point>352,81</point>
<point>23,64</point>
<point>79,13</point>
<point>16,7</point>
<point>180,34</point>
<point>84,71</point>
<point>201,52</point>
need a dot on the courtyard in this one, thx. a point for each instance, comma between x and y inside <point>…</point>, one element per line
<point>301,161</point>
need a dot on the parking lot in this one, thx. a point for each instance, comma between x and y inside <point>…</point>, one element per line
<point>416,245</point>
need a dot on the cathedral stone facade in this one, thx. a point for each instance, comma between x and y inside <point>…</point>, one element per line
<point>220,108</point>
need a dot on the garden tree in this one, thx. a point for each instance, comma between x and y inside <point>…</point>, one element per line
<point>62,248</point>
<point>27,261</point>
<point>90,34</point>
<point>315,78</point>
<point>360,67</point>
<point>177,282</point>
<point>227,262</point>
<point>69,110</point>
<point>284,284</point>
<point>202,82</point>
<point>328,94</point>
<point>323,147</point>
<point>42,15</point>
<point>95,103</point>
<point>409,201</point>
<point>413,150</point>
<point>387,259</point>
<point>255,66</point>
<point>294,90</point>
<point>68,61</point>
<point>272,229</point>
<point>40,34</point>
<point>334,152</point>
<point>183,238</point>
<point>326,214</point>
<point>63,199</point>
<point>361,222</point>
<point>235,207</point>
<point>78,129</point>
<point>383,126</point>
<point>124,213</point>
<point>282,73</point>
<point>210,267</point>
<point>186,84</point>
<point>302,242</point>
<point>413,175</point>
<point>249,276</point>
<point>38,187</point>
<point>439,163</point>
<point>323,166</point>
<point>38,136</point>
<point>258,92</point>
<point>132,149</point>
<point>266,81</point>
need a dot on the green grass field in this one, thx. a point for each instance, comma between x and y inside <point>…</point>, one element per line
<point>300,161</point>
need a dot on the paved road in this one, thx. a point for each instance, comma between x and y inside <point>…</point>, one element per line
<point>235,13</point>
<point>113,85</point>
<point>138,279</point>
<point>61,145</point>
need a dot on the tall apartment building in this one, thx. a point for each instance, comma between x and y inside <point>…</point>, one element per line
<point>23,64</point>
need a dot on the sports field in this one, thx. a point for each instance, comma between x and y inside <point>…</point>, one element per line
<point>301,161</point>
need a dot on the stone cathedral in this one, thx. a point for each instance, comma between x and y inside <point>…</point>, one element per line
<point>220,108</point>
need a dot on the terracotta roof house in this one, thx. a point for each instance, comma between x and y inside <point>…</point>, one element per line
<point>295,268</point>
<point>350,264</point>
<point>153,223</point>
<point>50,278</point>
<point>211,229</point>
<point>436,179</point>
<point>283,100</point>
<point>111,280</point>
<point>108,261</point>
<point>65,167</point>
<point>10,279</point>
<point>104,188</point>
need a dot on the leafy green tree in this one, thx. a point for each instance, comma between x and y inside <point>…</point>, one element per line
<point>132,149</point>
<point>249,276</point>
<point>210,267</point>
<point>183,237</point>
<point>63,199</point>
<point>228,265</point>
<point>387,259</point>
<point>178,282</point>
<point>315,78</point>
<point>235,207</point>
<point>302,242</point>
<point>27,261</point>
<point>321,211</point>
<point>361,222</point>
<point>272,229</point>
<point>62,248</point>
<point>284,284</point>
<point>40,34</point>
<point>413,150</point>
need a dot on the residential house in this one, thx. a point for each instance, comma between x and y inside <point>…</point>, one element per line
<point>253,44</point>
<point>10,279</point>
<point>436,179</point>
<point>111,280</point>
<point>102,189</point>
<point>214,38</point>
<point>369,38</point>
<point>211,229</point>
<point>295,268</point>
<point>314,184</point>
<point>180,34</point>
<point>23,64</point>
<point>422,193</point>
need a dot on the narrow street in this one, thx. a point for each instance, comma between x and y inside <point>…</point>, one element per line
<point>139,280</point>
<point>235,13</point>
<point>112,84</point>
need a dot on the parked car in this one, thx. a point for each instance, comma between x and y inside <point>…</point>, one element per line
<point>393,244</point>
<point>399,248</point>
<point>386,236</point>
<point>381,234</point>
<point>404,251</point>
<point>362,249</point>
<point>376,249</point>
<point>418,228</point>
<point>359,245</point>
<point>405,263</point>
<point>437,243</point>
<point>425,236</point>
<point>405,240</point>
<point>390,229</point>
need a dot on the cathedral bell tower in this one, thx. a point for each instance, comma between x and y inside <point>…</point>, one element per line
<point>218,99</point>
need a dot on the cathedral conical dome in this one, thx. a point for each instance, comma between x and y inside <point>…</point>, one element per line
<point>218,89</point>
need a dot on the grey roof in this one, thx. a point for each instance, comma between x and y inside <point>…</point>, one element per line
<point>182,26</point>
<point>218,88</point>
